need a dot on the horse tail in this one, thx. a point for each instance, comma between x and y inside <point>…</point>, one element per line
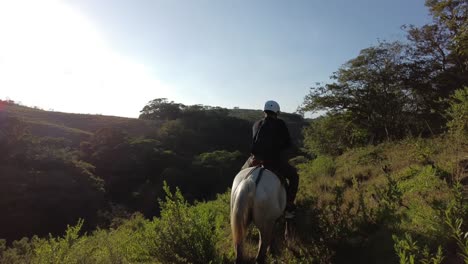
<point>241,210</point>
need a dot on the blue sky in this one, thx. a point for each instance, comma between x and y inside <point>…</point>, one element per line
<point>212,52</point>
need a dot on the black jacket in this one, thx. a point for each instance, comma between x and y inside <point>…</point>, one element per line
<point>277,133</point>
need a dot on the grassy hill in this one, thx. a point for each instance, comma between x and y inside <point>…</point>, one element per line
<point>74,127</point>
<point>378,204</point>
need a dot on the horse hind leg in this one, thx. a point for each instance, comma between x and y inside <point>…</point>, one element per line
<point>266,235</point>
<point>239,253</point>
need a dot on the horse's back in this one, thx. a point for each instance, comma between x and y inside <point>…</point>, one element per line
<point>269,200</point>
<point>270,197</point>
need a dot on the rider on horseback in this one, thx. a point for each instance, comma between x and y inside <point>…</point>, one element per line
<point>271,141</point>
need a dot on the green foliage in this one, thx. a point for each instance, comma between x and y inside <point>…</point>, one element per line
<point>392,90</point>
<point>321,166</point>
<point>458,113</point>
<point>351,220</point>
<point>408,251</point>
<point>185,235</point>
<point>2,246</point>
<point>405,249</point>
<point>352,196</point>
<point>332,135</point>
<point>370,156</point>
<point>422,151</point>
<point>56,250</point>
<point>425,196</point>
<point>161,108</point>
<point>455,214</point>
<point>217,159</point>
<point>380,191</point>
<point>370,92</point>
<point>41,180</point>
<point>177,137</point>
<point>390,200</point>
<point>130,243</point>
<point>451,16</point>
<point>459,235</point>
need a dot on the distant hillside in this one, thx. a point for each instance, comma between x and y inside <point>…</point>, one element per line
<point>78,127</point>
<point>75,127</point>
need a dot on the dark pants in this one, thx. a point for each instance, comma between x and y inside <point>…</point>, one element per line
<point>283,169</point>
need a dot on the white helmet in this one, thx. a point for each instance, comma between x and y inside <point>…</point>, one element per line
<point>272,106</point>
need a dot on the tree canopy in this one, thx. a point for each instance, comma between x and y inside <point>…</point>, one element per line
<point>397,89</point>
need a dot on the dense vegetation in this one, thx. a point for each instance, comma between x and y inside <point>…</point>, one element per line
<point>384,173</point>
<point>49,181</point>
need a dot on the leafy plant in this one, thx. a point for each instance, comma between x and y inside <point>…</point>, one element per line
<point>185,235</point>
<point>409,252</point>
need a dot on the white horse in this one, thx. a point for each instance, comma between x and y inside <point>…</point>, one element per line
<point>258,199</point>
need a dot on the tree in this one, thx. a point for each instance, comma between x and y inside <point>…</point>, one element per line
<point>161,109</point>
<point>439,54</point>
<point>219,159</point>
<point>332,134</point>
<point>452,15</point>
<point>370,89</point>
<point>44,180</point>
<point>395,89</point>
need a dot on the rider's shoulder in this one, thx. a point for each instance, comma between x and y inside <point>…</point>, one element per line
<point>281,121</point>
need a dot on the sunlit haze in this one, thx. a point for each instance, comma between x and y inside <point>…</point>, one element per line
<point>112,57</point>
<point>52,57</point>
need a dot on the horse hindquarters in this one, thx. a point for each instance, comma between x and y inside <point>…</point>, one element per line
<point>240,209</point>
<point>270,202</point>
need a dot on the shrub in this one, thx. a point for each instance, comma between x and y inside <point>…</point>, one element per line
<point>425,196</point>
<point>332,134</point>
<point>458,114</point>
<point>455,214</point>
<point>409,251</point>
<point>185,235</point>
<point>21,251</point>
<point>321,166</point>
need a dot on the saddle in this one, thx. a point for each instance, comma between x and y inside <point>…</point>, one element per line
<point>253,162</point>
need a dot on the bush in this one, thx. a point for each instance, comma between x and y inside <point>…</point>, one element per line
<point>332,135</point>
<point>425,197</point>
<point>185,235</point>
<point>409,251</point>
<point>321,166</point>
<point>458,114</point>
<point>132,242</point>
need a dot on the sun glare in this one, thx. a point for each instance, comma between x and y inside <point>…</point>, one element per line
<point>53,57</point>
